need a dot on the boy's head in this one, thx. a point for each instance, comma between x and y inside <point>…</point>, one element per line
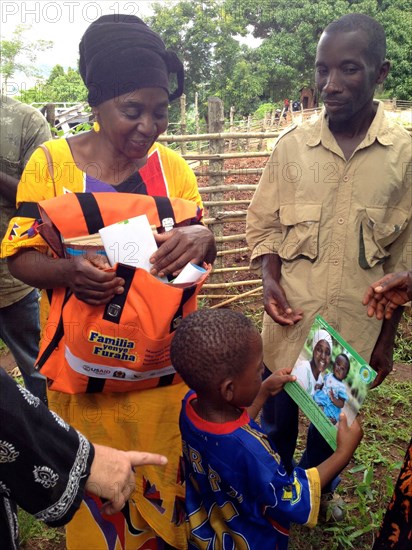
<point>341,366</point>
<point>219,350</point>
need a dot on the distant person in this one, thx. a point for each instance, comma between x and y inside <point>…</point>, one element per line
<point>296,105</point>
<point>23,129</point>
<point>332,396</point>
<point>382,299</point>
<point>46,466</point>
<point>331,214</point>
<point>237,489</point>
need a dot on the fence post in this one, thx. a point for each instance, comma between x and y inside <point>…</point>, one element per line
<point>197,126</point>
<point>231,124</point>
<point>216,119</point>
<point>183,122</point>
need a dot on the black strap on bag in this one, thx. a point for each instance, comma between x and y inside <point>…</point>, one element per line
<point>91,212</point>
<point>94,220</point>
<point>28,210</point>
<point>58,335</point>
<point>114,309</point>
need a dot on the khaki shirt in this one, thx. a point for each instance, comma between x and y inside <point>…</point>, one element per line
<point>338,225</point>
<point>22,129</point>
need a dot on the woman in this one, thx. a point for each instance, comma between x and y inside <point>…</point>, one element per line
<point>309,373</point>
<point>125,67</point>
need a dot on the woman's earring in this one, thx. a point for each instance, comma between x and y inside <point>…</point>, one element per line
<point>96,126</point>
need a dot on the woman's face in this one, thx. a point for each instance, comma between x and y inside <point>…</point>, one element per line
<point>133,121</point>
<point>321,355</point>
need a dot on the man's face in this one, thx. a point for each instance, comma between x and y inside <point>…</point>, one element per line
<point>346,76</point>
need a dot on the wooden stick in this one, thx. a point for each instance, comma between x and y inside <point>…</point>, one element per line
<point>233,283</point>
<point>237,297</point>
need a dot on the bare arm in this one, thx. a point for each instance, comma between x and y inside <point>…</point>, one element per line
<point>8,187</point>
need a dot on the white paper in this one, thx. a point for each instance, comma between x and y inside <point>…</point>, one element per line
<point>129,242</point>
<point>191,273</point>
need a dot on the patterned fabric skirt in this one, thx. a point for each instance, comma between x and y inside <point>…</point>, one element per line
<point>396,529</point>
<point>144,421</point>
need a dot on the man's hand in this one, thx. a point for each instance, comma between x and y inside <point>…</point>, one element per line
<point>387,294</point>
<point>93,281</point>
<point>274,297</point>
<point>112,476</point>
<point>381,360</point>
<point>180,246</point>
<point>276,304</point>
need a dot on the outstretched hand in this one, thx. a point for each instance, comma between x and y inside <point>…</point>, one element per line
<point>276,304</point>
<point>387,294</point>
<point>112,476</point>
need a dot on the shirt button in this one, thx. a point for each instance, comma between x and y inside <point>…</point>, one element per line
<point>332,301</point>
<point>341,221</point>
<point>335,262</point>
<point>345,178</point>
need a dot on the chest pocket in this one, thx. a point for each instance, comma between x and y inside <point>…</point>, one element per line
<point>300,231</point>
<point>379,228</point>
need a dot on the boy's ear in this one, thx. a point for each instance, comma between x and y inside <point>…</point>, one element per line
<point>226,390</point>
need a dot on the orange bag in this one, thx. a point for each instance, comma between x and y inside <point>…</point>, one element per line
<point>123,345</point>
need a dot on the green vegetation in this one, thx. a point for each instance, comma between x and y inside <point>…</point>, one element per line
<point>19,55</point>
<point>248,53</point>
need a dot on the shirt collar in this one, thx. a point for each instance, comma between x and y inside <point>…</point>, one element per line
<point>378,130</point>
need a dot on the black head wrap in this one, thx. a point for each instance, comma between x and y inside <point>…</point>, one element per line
<point>120,54</point>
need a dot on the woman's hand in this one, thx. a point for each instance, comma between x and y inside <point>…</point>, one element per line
<point>112,476</point>
<point>182,245</point>
<point>93,281</point>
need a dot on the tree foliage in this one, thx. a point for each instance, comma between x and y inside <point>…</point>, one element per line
<point>244,51</point>
<point>208,37</point>
<point>19,55</point>
<point>60,87</point>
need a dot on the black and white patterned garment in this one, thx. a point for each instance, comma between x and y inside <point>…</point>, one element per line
<point>44,463</point>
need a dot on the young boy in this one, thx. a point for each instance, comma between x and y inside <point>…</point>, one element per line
<point>332,395</point>
<point>238,494</point>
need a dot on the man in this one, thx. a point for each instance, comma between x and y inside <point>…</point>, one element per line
<point>332,214</point>
<point>23,129</point>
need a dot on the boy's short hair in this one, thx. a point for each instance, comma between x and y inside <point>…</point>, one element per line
<point>373,30</point>
<point>211,344</point>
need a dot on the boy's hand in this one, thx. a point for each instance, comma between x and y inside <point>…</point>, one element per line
<point>276,382</point>
<point>348,437</point>
<point>271,386</point>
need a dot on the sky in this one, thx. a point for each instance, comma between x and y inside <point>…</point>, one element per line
<point>63,22</point>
